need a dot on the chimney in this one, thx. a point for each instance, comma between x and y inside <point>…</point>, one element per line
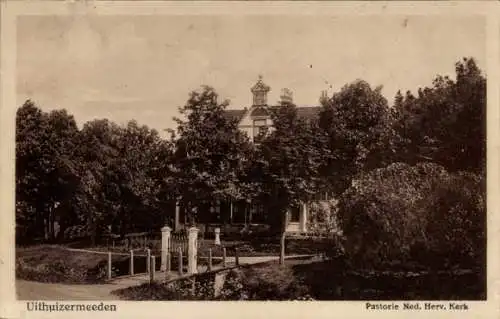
<point>324,97</point>
<point>286,96</point>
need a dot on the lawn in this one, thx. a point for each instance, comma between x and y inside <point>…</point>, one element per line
<point>50,263</point>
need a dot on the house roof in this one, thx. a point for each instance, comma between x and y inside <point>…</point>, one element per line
<point>306,112</point>
<point>234,114</point>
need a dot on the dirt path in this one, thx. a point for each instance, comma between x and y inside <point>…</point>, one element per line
<point>31,290</point>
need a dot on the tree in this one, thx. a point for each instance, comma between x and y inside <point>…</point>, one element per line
<point>210,153</point>
<point>138,172</point>
<point>358,124</point>
<point>30,172</point>
<point>46,172</point>
<point>63,178</point>
<point>287,164</point>
<point>97,153</point>
<point>124,176</point>
<point>446,123</point>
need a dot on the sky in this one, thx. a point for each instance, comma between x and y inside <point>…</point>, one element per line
<point>143,67</point>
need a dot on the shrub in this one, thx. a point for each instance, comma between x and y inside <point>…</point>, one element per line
<point>323,219</point>
<point>403,213</point>
<point>457,230</point>
<point>267,282</point>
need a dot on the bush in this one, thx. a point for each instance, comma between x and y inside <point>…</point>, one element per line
<point>323,219</point>
<point>458,228</point>
<point>263,282</point>
<point>404,213</point>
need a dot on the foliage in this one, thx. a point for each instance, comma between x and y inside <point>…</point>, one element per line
<point>100,175</point>
<point>357,123</point>
<point>287,161</point>
<point>445,123</point>
<point>402,213</point>
<point>210,152</point>
<point>46,174</point>
<point>458,226</point>
<point>322,218</point>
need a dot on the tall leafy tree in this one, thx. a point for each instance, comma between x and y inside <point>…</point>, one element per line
<point>31,170</point>
<point>96,202</point>
<point>46,172</point>
<point>445,123</point>
<point>62,139</point>
<point>210,153</point>
<point>358,124</point>
<point>138,173</point>
<point>287,164</point>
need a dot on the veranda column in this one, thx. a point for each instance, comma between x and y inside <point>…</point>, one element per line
<point>231,212</point>
<point>193,250</point>
<point>177,216</point>
<point>303,218</point>
<point>165,244</point>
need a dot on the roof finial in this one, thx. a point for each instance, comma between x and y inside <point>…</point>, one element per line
<point>260,77</point>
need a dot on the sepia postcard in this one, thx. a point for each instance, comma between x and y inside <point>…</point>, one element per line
<point>249,159</point>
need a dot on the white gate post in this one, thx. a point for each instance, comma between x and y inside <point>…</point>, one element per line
<point>303,218</point>
<point>217,236</point>
<point>193,250</point>
<point>165,244</point>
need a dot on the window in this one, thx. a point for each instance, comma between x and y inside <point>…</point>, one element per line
<point>261,122</point>
<point>259,129</point>
<point>295,214</point>
<point>258,214</point>
<point>321,196</point>
<point>239,212</point>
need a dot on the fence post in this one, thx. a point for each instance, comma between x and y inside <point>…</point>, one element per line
<point>167,268</point>
<point>131,262</point>
<point>152,270</point>
<point>180,261</point>
<point>169,262</point>
<point>148,260</point>
<point>110,265</point>
<point>165,243</point>
<point>236,257</point>
<point>224,257</point>
<point>193,250</point>
<point>210,259</point>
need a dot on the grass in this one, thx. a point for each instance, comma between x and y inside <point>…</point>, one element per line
<point>56,264</point>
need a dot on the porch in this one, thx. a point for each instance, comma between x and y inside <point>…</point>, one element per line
<point>239,217</point>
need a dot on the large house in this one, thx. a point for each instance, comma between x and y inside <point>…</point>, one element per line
<point>253,120</point>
